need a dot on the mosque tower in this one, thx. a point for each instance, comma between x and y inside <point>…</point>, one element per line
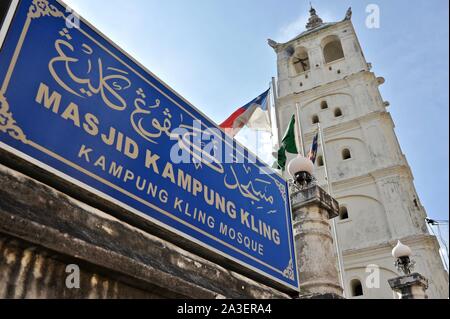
<point>323,72</point>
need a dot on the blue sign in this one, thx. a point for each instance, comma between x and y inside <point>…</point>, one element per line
<point>76,105</point>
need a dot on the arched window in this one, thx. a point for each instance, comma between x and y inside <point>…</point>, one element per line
<point>343,213</point>
<point>300,61</point>
<point>357,288</point>
<point>337,112</point>
<point>324,105</point>
<point>320,162</point>
<point>315,119</point>
<point>332,49</point>
<point>346,154</point>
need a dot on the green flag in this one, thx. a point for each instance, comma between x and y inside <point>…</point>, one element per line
<point>288,145</point>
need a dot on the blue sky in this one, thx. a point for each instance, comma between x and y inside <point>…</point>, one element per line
<point>215,54</point>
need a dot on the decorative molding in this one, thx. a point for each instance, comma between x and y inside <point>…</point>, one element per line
<point>325,89</point>
<point>373,251</point>
<point>274,45</point>
<point>289,271</point>
<point>348,15</point>
<point>7,123</point>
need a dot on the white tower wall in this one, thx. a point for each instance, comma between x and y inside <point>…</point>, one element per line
<point>375,184</point>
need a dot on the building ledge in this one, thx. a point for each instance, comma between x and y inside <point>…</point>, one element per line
<point>315,194</point>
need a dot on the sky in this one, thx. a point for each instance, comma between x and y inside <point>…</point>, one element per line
<point>215,54</point>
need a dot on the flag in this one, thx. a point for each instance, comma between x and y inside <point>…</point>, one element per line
<point>288,145</point>
<point>312,155</point>
<point>255,115</point>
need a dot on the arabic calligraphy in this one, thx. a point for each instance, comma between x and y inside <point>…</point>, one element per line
<point>78,70</point>
<point>142,116</point>
<point>248,190</point>
<point>87,75</point>
<point>189,139</point>
<point>41,8</point>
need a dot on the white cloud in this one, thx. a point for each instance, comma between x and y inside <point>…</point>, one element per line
<point>294,28</point>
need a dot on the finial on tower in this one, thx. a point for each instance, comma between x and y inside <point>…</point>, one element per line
<point>314,21</point>
<point>348,15</point>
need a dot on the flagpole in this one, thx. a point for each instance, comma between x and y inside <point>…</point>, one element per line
<point>269,110</point>
<point>330,191</point>
<point>300,131</point>
<point>269,107</point>
<point>275,104</point>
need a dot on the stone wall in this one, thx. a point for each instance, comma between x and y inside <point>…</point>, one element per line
<point>43,230</point>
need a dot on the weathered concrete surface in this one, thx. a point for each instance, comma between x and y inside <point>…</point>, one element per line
<point>318,275</point>
<point>43,230</point>
<point>28,271</point>
<point>413,286</point>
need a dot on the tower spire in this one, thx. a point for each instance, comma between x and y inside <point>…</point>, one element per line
<point>314,20</point>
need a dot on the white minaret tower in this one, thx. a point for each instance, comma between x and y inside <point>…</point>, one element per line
<point>324,73</point>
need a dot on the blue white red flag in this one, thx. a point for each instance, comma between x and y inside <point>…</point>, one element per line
<point>254,115</point>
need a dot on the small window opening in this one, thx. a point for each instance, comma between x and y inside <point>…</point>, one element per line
<point>346,154</point>
<point>333,50</point>
<point>320,162</point>
<point>357,289</point>
<point>315,119</point>
<point>301,61</point>
<point>343,213</point>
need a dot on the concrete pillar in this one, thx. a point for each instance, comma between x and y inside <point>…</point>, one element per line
<point>413,286</point>
<point>317,263</point>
